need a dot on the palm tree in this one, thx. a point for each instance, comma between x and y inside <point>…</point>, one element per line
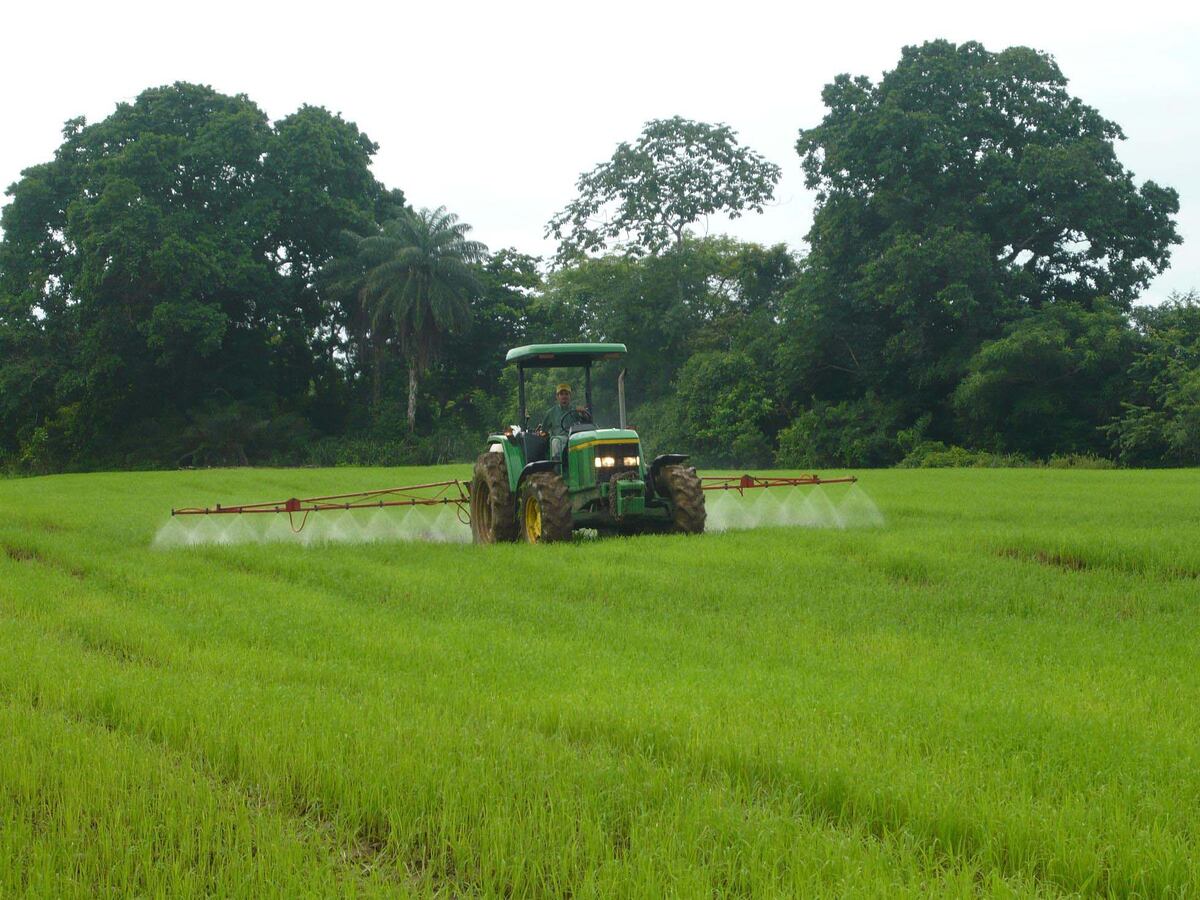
<point>415,282</point>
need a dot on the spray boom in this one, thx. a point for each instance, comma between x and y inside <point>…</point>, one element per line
<point>436,493</point>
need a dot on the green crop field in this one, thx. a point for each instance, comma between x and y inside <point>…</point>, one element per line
<point>995,693</point>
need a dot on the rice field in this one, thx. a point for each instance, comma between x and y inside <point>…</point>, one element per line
<point>992,689</point>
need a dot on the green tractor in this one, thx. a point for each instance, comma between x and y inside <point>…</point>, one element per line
<point>539,484</point>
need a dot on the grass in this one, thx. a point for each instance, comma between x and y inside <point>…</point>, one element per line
<point>995,694</point>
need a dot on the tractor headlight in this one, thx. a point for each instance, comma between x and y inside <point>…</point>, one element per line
<point>631,462</point>
<point>608,461</point>
<point>599,462</point>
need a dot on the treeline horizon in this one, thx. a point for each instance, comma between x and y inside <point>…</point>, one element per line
<point>188,283</point>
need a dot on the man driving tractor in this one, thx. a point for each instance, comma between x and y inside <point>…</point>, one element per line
<point>557,422</point>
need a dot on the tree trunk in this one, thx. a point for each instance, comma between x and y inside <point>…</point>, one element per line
<point>376,373</point>
<point>412,398</point>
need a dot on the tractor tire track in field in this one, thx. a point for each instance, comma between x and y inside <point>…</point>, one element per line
<point>113,588</point>
<point>371,852</point>
<point>24,553</point>
<point>420,861</point>
<point>307,823</point>
<point>368,852</point>
<point>831,803</point>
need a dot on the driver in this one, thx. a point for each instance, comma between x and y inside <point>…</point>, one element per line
<point>558,420</point>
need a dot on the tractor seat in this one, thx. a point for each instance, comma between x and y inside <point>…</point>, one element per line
<point>536,447</point>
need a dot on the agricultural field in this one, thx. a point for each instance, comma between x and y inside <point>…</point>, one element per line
<point>995,692</point>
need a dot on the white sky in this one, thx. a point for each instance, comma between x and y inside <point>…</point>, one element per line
<point>493,109</point>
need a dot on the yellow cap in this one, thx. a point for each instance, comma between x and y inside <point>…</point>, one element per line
<point>563,387</point>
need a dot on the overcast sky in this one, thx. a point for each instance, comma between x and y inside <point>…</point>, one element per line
<point>493,109</point>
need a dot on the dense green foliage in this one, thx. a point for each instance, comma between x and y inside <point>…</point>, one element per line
<point>995,694</point>
<point>414,282</point>
<point>189,283</point>
<point>648,193</point>
<point>160,268</point>
<point>968,198</point>
<point>1161,419</point>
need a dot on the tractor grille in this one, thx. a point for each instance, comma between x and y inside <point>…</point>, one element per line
<point>619,453</point>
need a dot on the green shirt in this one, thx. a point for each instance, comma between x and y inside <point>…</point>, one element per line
<point>558,421</point>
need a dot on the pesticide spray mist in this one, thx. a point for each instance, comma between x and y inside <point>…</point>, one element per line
<point>431,524</point>
<point>804,507</point>
<point>791,507</point>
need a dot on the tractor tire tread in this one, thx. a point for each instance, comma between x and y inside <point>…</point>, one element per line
<point>686,494</point>
<point>489,484</point>
<point>554,502</point>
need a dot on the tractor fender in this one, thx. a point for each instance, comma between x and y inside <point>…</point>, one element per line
<point>541,465</point>
<point>663,459</point>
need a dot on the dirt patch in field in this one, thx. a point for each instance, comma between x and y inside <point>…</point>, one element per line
<point>904,572</point>
<point>1059,560</point>
<point>115,649</point>
<point>427,861</point>
<point>47,525</point>
<point>1062,561</point>
<point>29,554</point>
<point>22,554</point>
<point>1073,562</point>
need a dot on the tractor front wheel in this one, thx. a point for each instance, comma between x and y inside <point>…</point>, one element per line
<point>492,519</point>
<point>544,509</point>
<point>682,488</point>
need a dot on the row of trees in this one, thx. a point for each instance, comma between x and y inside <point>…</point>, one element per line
<point>186,282</point>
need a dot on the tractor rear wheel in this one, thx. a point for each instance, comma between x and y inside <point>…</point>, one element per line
<point>492,519</point>
<point>682,488</point>
<point>544,509</point>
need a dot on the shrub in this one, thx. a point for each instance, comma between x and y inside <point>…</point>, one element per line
<point>445,445</point>
<point>936,455</point>
<point>1079,461</point>
<point>851,433</point>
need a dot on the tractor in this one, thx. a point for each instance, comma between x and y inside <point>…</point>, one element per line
<point>539,484</point>
<point>525,488</point>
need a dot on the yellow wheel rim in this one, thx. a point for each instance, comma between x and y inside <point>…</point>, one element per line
<point>533,520</point>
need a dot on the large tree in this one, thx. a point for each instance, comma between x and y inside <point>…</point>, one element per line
<point>707,294</point>
<point>161,262</point>
<point>994,145</point>
<point>319,176</point>
<point>676,173</point>
<point>960,192</point>
<point>418,281</point>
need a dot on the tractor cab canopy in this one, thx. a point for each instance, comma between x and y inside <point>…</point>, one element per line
<point>548,356</point>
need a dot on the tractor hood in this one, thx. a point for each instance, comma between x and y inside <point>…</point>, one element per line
<point>582,439</point>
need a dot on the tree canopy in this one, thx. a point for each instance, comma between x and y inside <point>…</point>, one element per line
<point>965,190</point>
<point>1159,422</point>
<point>959,140</point>
<point>163,260</point>
<point>676,173</point>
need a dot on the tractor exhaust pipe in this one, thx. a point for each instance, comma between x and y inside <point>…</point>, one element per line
<point>621,396</point>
